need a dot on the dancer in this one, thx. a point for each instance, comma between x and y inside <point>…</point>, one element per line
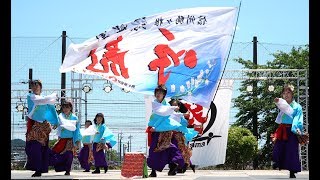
<point>69,138</point>
<point>103,140</point>
<point>41,116</point>
<point>286,146</point>
<point>160,129</point>
<point>183,138</point>
<point>86,156</point>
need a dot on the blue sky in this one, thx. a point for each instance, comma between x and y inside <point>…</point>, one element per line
<point>274,21</point>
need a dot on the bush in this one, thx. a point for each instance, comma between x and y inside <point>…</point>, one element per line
<point>242,147</point>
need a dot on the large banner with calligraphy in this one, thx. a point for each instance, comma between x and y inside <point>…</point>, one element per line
<point>185,49</point>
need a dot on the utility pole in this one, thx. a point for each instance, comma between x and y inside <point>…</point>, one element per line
<point>25,110</point>
<point>128,150</point>
<point>120,144</point>
<point>255,62</point>
<point>63,75</point>
<point>124,149</point>
<point>129,143</point>
<point>13,125</point>
<point>85,107</point>
<point>30,79</point>
<point>255,114</point>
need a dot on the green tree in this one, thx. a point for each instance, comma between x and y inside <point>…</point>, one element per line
<point>111,155</point>
<point>260,100</point>
<point>242,147</point>
<point>113,159</point>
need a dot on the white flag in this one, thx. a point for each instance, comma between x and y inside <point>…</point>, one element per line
<point>185,49</point>
<point>210,148</point>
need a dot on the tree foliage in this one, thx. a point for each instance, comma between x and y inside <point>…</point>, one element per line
<point>113,159</point>
<point>260,101</point>
<point>242,147</point>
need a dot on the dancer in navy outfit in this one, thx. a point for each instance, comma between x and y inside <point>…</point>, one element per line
<point>183,138</point>
<point>86,156</point>
<point>286,144</point>
<point>103,140</point>
<point>69,139</point>
<point>160,128</point>
<point>41,116</point>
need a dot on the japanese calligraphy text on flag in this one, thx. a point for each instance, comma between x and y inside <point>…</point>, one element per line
<point>185,49</point>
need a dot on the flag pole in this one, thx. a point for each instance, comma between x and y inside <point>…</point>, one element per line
<point>234,32</point>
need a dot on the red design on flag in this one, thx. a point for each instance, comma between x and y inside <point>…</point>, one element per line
<point>190,60</point>
<point>163,51</point>
<point>197,113</point>
<point>111,56</point>
<point>167,34</point>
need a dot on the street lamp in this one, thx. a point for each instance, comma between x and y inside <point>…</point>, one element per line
<point>86,88</point>
<point>107,87</point>
<point>20,106</point>
<point>129,143</point>
<point>271,88</point>
<point>125,90</point>
<point>124,149</point>
<point>120,144</point>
